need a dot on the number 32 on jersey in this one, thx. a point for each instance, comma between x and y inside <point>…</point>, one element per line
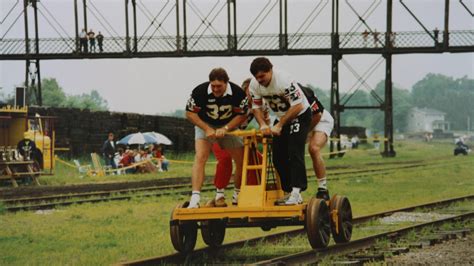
<point>222,112</point>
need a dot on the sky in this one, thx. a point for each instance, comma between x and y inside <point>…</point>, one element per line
<point>157,85</point>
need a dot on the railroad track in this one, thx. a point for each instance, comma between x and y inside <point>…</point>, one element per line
<point>51,201</point>
<point>30,192</point>
<point>205,255</point>
<point>315,256</point>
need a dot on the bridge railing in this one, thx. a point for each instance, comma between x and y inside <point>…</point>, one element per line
<point>255,42</point>
<point>461,38</point>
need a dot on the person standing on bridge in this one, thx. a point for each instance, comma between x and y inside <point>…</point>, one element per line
<point>436,37</point>
<point>216,107</point>
<point>100,41</point>
<point>83,41</point>
<point>365,37</point>
<point>287,101</point>
<point>91,35</point>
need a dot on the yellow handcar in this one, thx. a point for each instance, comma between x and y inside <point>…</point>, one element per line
<point>256,207</point>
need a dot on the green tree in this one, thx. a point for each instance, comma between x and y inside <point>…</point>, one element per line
<point>53,94</point>
<point>322,95</point>
<point>92,101</point>
<point>374,118</point>
<point>6,99</point>
<point>358,117</point>
<point>455,97</point>
<point>402,104</point>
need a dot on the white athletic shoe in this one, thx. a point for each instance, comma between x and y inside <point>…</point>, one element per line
<point>194,202</point>
<point>294,199</point>
<point>193,205</point>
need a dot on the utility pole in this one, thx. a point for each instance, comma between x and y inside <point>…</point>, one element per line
<point>468,124</point>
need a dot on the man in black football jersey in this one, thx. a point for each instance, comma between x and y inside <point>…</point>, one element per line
<point>322,124</point>
<point>215,107</point>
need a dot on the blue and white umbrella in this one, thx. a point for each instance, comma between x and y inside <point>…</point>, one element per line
<point>160,138</point>
<point>137,138</point>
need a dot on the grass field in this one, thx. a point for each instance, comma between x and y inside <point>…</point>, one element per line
<point>107,233</point>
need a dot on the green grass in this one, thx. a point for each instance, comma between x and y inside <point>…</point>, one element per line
<point>65,174</point>
<point>106,233</point>
<point>410,150</point>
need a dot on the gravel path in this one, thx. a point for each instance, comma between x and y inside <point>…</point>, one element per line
<point>453,252</point>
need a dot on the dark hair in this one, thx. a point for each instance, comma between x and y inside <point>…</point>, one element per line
<point>218,74</point>
<point>260,64</point>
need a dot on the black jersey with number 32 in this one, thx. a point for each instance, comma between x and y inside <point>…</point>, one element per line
<point>217,111</point>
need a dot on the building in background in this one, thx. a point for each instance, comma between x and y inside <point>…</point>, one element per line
<point>422,120</point>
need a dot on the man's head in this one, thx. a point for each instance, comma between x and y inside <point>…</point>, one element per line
<point>111,136</point>
<point>218,78</point>
<point>261,69</point>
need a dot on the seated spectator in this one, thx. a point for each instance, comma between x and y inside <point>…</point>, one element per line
<point>127,159</point>
<point>117,157</point>
<point>162,163</point>
<point>147,166</point>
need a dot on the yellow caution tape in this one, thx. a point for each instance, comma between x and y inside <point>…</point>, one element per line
<point>348,139</point>
<point>180,161</point>
<point>64,162</point>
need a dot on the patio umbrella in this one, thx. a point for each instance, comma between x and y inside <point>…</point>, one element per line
<point>160,138</point>
<point>137,138</point>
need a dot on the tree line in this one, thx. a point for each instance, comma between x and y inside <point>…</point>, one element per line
<point>54,96</point>
<point>455,97</point>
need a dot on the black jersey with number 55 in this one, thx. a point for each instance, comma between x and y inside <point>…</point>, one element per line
<point>217,111</point>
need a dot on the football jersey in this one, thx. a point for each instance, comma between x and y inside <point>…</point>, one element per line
<point>217,111</point>
<point>314,103</point>
<point>282,93</point>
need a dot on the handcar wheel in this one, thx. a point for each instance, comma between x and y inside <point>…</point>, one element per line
<point>317,223</point>
<point>213,232</point>
<point>183,236</point>
<point>341,219</point>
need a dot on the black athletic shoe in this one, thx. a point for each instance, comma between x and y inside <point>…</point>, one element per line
<point>322,194</point>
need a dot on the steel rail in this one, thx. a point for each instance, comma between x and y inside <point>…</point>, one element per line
<point>18,201</point>
<point>174,182</point>
<point>97,200</point>
<point>178,258</point>
<point>109,195</point>
<point>314,256</point>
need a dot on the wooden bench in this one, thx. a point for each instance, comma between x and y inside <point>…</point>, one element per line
<point>12,170</point>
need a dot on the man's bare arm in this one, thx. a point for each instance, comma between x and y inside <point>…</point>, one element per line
<point>291,114</point>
